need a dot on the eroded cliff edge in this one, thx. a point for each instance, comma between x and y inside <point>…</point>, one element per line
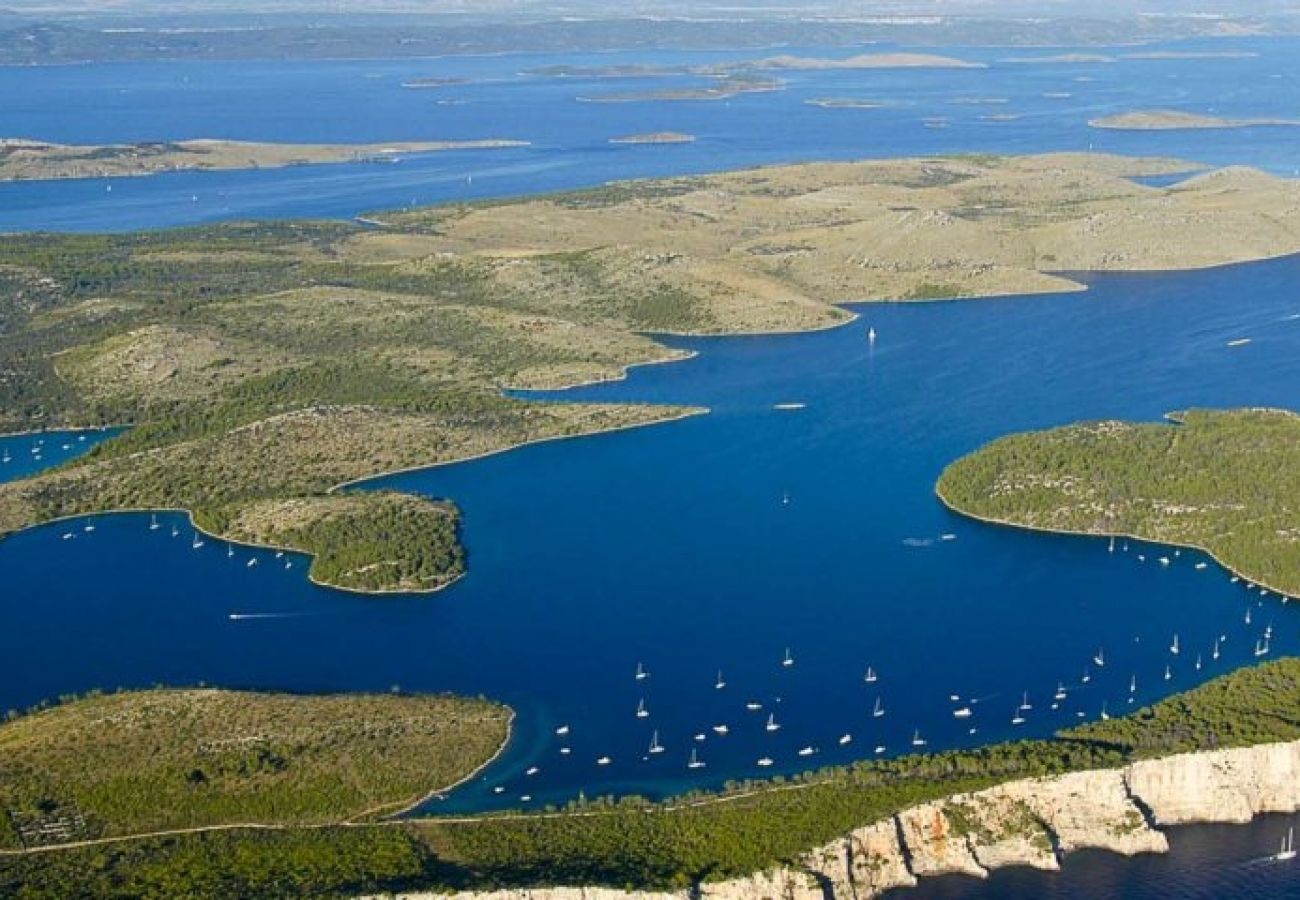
<point>1032,822</point>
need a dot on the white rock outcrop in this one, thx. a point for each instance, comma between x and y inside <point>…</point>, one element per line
<point>1032,822</point>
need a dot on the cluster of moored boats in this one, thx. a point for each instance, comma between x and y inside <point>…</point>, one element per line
<point>962,709</point>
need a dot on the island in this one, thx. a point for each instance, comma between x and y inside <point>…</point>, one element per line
<point>166,760</point>
<point>846,103</point>
<point>1225,481</point>
<point>27,159</point>
<point>267,368</point>
<point>433,82</point>
<point>655,137</point>
<point>725,86</point>
<point>1173,120</point>
<point>1223,752</point>
<point>860,61</point>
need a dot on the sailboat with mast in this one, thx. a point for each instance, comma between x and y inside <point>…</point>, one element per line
<point>1288,850</point>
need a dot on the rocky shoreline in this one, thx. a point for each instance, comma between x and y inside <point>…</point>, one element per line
<point>1032,822</point>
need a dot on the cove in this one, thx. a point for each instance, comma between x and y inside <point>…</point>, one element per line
<point>675,547</point>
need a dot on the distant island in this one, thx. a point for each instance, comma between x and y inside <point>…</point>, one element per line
<point>724,88</point>
<point>1224,481</point>
<point>1171,120</point>
<point>433,82</point>
<point>846,103</point>
<point>654,137</point>
<point>262,796</point>
<point>1060,59</point>
<point>267,365</point>
<point>860,61</point>
<point>27,159</point>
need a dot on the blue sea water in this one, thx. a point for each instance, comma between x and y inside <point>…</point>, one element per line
<point>927,111</point>
<point>718,542</point>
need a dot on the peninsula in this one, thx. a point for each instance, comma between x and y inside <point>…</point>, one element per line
<point>1224,481</point>
<point>26,159</point>
<point>1223,752</point>
<point>264,365</point>
<point>1173,120</point>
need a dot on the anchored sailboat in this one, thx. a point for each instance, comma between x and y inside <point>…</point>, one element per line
<point>1288,850</point>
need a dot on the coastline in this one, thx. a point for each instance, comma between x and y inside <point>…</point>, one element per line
<point>1286,596</point>
<point>1033,822</point>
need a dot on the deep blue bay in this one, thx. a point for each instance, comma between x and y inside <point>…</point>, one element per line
<point>716,542</point>
<point>673,546</point>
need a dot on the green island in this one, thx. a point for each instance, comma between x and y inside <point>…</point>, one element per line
<point>1226,481</point>
<point>266,366</point>
<point>630,842</point>
<point>110,765</point>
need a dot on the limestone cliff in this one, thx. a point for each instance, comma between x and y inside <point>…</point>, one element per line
<point>1033,822</point>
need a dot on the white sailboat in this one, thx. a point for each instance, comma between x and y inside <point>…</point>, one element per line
<point>1017,718</point>
<point>1100,659</point>
<point>1173,648</point>
<point>719,684</point>
<point>1168,673</point>
<point>917,740</point>
<point>772,724</point>
<point>1261,647</point>
<point>878,710</point>
<point>1288,850</point>
<point>1105,716</point>
<point>721,730</point>
<point>1025,705</point>
<point>961,712</point>
<point>765,761</point>
<point>846,739</point>
<point>197,542</point>
<point>655,746</point>
<point>641,673</point>
<point>562,730</point>
<point>695,761</point>
<point>788,660</point>
<point>1111,548</point>
<point>871,677</point>
<point>153,523</point>
<point>1133,685</point>
<point>641,711</point>
<point>753,706</point>
<point>871,335</point>
<point>1060,692</point>
<point>1215,654</point>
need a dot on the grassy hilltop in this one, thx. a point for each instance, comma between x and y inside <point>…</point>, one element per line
<point>265,364</point>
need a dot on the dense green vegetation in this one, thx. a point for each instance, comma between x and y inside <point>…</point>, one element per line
<point>1227,481</point>
<point>138,762</point>
<point>1250,706</point>
<point>248,864</point>
<point>264,364</point>
<point>748,827</point>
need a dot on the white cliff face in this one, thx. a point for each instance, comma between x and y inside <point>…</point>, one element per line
<point>1031,822</point>
<point>1222,786</point>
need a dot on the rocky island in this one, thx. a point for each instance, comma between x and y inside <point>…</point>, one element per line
<point>1173,120</point>
<point>27,159</point>
<point>266,365</point>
